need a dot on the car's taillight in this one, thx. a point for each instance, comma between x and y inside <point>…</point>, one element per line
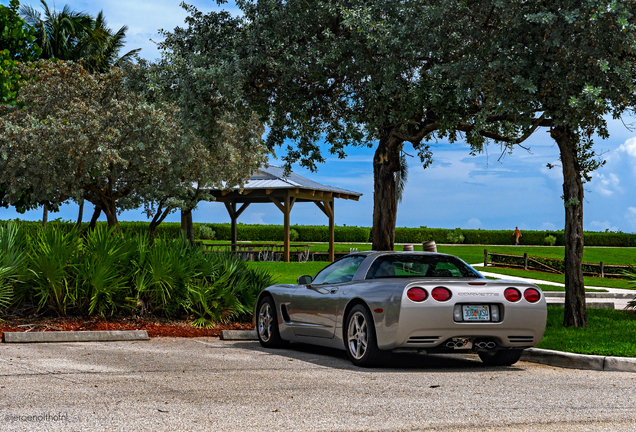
<point>441,294</point>
<point>417,294</point>
<point>531,295</point>
<point>512,294</point>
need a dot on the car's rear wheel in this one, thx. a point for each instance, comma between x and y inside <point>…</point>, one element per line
<point>500,357</point>
<point>267,324</point>
<point>360,339</point>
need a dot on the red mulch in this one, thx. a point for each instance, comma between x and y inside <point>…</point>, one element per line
<point>154,327</point>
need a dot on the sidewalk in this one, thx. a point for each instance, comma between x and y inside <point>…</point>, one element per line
<point>613,298</point>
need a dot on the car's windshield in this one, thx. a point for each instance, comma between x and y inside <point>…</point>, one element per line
<point>429,266</point>
<point>340,271</point>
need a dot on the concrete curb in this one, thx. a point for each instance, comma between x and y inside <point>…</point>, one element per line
<point>238,335</point>
<point>74,336</point>
<point>579,361</point>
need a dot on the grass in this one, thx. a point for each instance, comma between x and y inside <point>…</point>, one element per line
<point>609,332</point>
<point>287,273</point>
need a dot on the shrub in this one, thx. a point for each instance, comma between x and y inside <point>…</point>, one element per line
<point>293,235</point>
<point>206,233</point>
<point>455,236</point>
<point>549,240</point>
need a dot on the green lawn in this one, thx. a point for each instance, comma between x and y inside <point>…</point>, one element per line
<point>475,254</point>
<point>609,332</point>
<point>289,272</point>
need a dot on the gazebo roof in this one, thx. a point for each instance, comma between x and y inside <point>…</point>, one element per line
<point>270,185</point>
<point>272,178</point>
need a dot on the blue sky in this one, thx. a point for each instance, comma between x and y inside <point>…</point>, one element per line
<point>456,191</point>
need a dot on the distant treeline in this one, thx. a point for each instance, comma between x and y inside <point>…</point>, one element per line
<point>354,234</point>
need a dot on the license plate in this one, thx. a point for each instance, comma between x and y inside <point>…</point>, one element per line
<point>476,312</point>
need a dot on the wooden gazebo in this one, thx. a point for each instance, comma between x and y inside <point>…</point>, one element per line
<point>269,185</point>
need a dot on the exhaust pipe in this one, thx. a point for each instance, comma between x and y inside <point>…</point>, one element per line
<point>486,345</point>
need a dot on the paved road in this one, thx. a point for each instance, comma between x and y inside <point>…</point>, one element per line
<point>206,384</point>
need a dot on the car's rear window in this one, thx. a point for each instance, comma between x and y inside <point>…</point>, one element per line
<point>428,266</point>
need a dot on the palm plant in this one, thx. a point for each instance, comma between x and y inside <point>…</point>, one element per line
<point>71,35</point>
<point>13,259</point>
<point>52,257</point>
<point>103,272</point>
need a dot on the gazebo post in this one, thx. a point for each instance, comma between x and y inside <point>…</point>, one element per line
<point>231,209</point>
<point>332,233</point>
<point>286,211</point>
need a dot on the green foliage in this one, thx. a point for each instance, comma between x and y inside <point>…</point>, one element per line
<point>13,258</point>
<point>549,240</point>
<point>105,272</point>
<point>206,233</point>
<point>17,43</point>
<point>53,260</point>
<point>351,234</point>
<point>293,235</point>
<point>455,236</point>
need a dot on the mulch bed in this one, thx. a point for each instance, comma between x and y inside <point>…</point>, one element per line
<point>157,327</point>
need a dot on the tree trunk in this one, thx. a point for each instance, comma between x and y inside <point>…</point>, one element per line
<point>110,210</point>
<point>386,162</point>
<point>80,214</point>
<point>186,224</point>
<point>575,308</point>
<point>45,216</point>
<point>159,217</point>
<point>96,213</point>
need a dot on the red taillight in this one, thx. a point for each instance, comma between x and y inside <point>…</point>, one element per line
<point>531,295</point>
<point>441,294</point>
<point>417,294</point>
<point>512,294</point>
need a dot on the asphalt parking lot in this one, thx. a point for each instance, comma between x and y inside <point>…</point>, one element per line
<point>206,384</point>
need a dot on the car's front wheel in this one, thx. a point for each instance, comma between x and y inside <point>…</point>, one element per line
<point>501,357</point>
<point>267,324</point>
<point>360,339</point>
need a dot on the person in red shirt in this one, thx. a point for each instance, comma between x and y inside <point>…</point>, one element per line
<point>517,235</point>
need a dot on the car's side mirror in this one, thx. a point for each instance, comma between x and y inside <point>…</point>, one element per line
<point>304,280</point>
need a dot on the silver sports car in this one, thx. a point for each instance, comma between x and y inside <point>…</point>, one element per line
<point>374,303</point>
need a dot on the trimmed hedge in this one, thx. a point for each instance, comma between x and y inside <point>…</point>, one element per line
<point>354,234</point>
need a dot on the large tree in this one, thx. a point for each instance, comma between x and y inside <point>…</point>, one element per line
<point>386,73</point>
<point>348,73</point>
<point>70,35</point>
<point>84,134</point>
<point>572,62</point>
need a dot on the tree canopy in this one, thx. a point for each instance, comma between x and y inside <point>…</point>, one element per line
<point>386,73</point>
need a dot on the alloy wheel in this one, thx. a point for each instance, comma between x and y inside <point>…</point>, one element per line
<point>265,322</point>
<point>357,335</point>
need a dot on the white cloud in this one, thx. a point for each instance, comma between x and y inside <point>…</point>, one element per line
<point>473,223</point>
<point>606,185</point>
<point>548,226</point>
<point>602,226</point>
<point>628,147</point>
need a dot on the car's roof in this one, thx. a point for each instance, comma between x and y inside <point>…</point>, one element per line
<point>378,253</point>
